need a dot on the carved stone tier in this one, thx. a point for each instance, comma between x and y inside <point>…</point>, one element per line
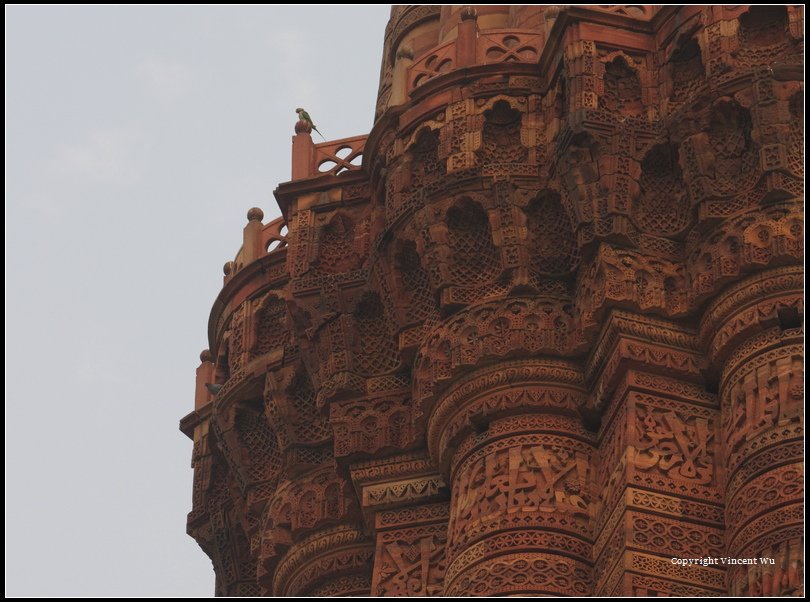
<point>511,439</point>
<point>519,509</point>
<point>335,562</point>
<point>757,341</point>
<point>658,472</point>
<point>405,504</point>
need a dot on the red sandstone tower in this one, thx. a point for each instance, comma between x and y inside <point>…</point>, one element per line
<point>539,332</point>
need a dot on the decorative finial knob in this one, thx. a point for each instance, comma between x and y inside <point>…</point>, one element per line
<point>227,268</point>
<point>255,214</point>
<point>205,355</point>
<point>468,12</point>
<point>303,127</point>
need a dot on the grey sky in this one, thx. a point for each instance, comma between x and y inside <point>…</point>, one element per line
<point>136,140</point>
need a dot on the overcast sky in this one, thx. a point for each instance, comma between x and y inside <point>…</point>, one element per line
<point>136,140</point>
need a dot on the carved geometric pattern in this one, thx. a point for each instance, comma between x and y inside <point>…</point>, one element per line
<point>309,426</point>
<point>426,167</point>
<point>663,207</point>
<point>368,425</point>
<point>551,237</point>
<point>763,395</point>
<point>260,443</point>
<point>475,257</point>
<point>676,445</point>
<point>377,351</point>
<point>501,136</point>
<point>236,340</point>
<point>320,499</point>
<point>416,284</point>
<point>796,138</point>
<point>271,327</point>
<point>529,572</point>
<point>622,88</point>
<point>489,330</point>
<point>512,46</point>
<point>688,73</point>
<point>763,35</point>
<point>410,567</point>
<point>337,246</point>
<point>334,553</point>
<point>729,137</point>
<point>545,338</point>
<point>439,62</point>
<point>504,485</point>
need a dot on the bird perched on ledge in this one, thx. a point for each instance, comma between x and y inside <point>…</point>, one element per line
<point>304,116</point>
<point>213,388</point>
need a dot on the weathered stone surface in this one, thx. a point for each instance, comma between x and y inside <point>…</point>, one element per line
<point>539,332</point>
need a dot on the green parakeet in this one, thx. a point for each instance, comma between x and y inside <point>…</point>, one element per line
<point>304,116</point>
